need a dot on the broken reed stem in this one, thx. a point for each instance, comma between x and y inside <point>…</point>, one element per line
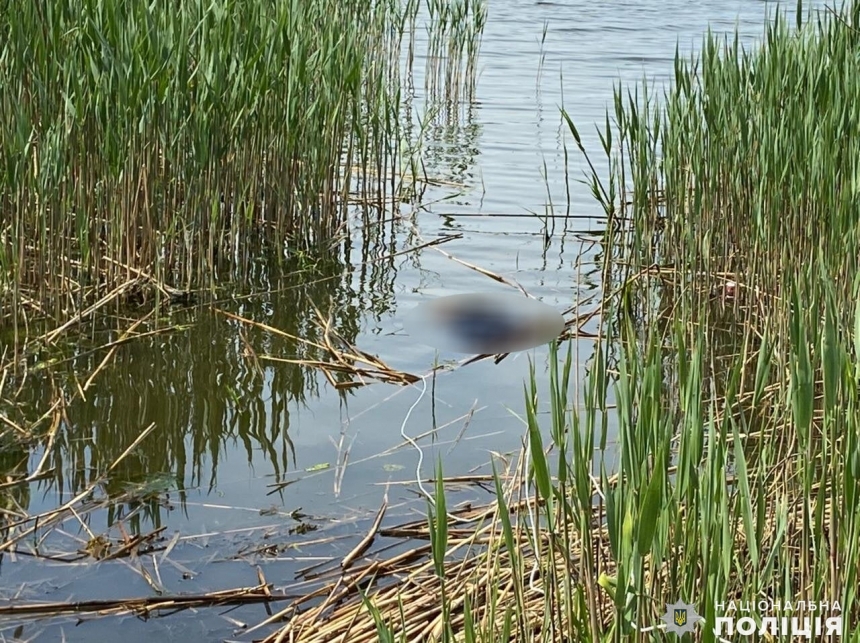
<point>58,515</point>
<point>146,605</point>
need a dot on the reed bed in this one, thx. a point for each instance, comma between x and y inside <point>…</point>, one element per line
<point>714,455</point>
<point>454,30</point>
<point>745,371</point>
<point>184,140</point>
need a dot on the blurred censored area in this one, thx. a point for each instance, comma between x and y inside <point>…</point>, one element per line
<point>483,323</point>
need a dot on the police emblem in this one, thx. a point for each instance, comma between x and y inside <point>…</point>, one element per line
<point>680,618</point>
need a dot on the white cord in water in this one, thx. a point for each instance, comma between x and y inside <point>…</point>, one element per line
<point>535,544</point>
<point>414,444</point>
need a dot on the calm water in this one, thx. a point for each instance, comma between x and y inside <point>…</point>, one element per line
<point>228,427</point>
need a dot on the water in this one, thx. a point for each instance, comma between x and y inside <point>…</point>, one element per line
<point>233,427</point>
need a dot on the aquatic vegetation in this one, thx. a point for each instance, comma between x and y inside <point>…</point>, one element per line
<point>710,456</point>
<point>454,30</point>
<point>145,142</point>
<point>739,277</point>
<point>154,153</point>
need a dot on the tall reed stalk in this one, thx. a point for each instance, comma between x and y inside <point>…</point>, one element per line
<point>179,140</point>
<point>454,29</point>
<point>712,455</point>
<point>736,254</point>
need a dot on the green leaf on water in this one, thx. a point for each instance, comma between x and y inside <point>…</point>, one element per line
<point>322,466</point>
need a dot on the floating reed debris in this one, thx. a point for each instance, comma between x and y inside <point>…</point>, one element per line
<point>144,606</point>
<point>487,560</point>
<point>347,366</point>
<point>23,526</point>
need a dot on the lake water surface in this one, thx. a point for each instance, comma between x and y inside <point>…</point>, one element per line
<point>231,430</point>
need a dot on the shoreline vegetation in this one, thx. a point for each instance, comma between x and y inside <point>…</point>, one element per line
<point>150,153</point>
<point>711,454</point>
<point>729,357</point>
<point>164,162</point>
<point>140,141</point>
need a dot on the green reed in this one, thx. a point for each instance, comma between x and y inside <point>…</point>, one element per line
<point>181,139</point>
<point>454,29</point>
<point>735,329</point>
<point>712,453</point>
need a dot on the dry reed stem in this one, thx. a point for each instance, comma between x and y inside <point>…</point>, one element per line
<point>342,360</point>
<point>365,542</point>
<point>113,295</point>
<point>487,273</point>
<point>60,514</point>
<point>112,351</point>
<point>167,291</point>
<point>144,606</point>
<point>408,580</point>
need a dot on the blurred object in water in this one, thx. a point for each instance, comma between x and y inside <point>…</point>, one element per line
<point>484,323</point>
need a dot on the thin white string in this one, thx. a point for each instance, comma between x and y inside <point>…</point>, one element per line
<point>415,445</point>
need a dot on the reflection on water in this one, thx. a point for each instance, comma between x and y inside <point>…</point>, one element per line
<point>231,426</point>
<point>201,382</point>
